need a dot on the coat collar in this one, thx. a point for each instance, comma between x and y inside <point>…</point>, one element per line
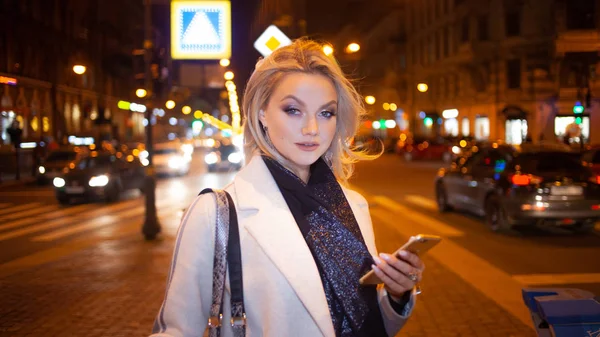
<point>269,221</point>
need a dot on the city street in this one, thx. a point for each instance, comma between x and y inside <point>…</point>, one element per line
<point>85,269</point>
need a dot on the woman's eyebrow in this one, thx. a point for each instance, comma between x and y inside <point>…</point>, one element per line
<point>332,102</point>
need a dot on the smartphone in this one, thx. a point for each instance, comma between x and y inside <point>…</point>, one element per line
<point>418,244</point>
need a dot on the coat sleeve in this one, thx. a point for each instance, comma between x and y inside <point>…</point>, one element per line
<point>393,320</point>
<point>186,304</point>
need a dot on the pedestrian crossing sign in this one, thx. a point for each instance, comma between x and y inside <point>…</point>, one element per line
<point>271,39</point>
<point>200,30</point>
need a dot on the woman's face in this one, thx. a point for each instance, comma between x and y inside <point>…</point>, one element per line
<point>301,119</point>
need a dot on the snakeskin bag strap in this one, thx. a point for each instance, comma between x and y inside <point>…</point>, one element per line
<point>227,254</point>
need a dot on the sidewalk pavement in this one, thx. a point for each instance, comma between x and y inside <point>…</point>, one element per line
<point>10,180</point>
<point>115,287</point>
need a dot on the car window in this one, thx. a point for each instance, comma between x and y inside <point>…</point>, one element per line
<point>61,156</point>
<point>549,162</point>
<point>165,151</point>
<point>92,162</point>
<point>596,159</point>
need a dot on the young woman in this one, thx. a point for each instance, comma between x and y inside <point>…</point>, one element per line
<point>305,238</point>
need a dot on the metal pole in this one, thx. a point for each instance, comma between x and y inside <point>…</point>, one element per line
<point>151,226</point>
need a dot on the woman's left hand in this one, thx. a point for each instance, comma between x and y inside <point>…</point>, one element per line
<point>399,273</point>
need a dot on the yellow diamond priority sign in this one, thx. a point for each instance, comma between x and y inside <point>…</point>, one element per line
<point>271,39</point>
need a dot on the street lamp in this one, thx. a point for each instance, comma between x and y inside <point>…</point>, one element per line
<point>422,87</point>
<point>186,110</point>
<point>228,75</point>
<point>151,226</point>
<point>352,48</point>
<point>327,49</point>
<point>224,62</point>
<point>170,104</point>
<point>141,93</point>
<point>79,69</point>
<point>370,100</point>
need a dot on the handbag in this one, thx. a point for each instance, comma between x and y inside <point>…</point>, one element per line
<point>228,254</point>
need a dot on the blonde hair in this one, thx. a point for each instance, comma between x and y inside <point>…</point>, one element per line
<point>304,56</point>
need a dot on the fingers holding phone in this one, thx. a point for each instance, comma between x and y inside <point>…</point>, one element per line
<point>400,272</point>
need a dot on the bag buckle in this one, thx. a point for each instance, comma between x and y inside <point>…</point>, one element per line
<point>238,321</point>
<point>214,321</point>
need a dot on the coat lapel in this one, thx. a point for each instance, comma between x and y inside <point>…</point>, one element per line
<point>267,218</point>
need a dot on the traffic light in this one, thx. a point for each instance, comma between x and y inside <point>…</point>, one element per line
<point>428,121</point>
<point>578,120</point>
<point>578,108</point>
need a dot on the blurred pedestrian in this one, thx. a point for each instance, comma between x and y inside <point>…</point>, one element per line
<point>16,133</point>
<point>306,239</point>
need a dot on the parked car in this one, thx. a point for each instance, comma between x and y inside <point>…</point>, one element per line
<point>418,148</point>
<point>99,175</point>
<point>53,165</point>
<point>591,159</point>
<point>172,158</point>
<point>522,185</point>
<point>224,156</point>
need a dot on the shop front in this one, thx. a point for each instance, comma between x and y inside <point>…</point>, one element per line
<point>482,128</point>
<point>571,129</point>
<point>516,126</point>
<point>450,122</point>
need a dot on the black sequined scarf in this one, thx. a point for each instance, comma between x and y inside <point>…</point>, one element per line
<point>333,236</point>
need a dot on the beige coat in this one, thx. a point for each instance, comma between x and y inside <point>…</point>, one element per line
<point>283,293</point>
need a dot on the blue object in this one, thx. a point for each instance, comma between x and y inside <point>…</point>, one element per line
<point>563,312</point>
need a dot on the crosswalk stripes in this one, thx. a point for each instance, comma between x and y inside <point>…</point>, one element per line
<point>41,217</point>
<point>18,208</point>
<point>421,201</point>
<point>97,223</point>
<point>3,205</point>
<point>53,222</point>
<point>61,221</point>
<point>33,193</point>
<point>29,212</point>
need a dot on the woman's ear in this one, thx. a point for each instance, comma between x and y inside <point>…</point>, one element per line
<point>261,117</point>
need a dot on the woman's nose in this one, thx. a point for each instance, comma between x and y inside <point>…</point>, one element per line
<point>311,127</point>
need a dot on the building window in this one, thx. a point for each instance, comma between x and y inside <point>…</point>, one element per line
<point>432,49</point>
<point>513,23</point>
<point>465,127</point>
<point>457,86</point>
<point>464,30</point>
<point>513,74</point>
<point>438,45</point>
<point>482,128</point>
<point>581,14</point>
<point>446,41</point>
<point>482,28</point>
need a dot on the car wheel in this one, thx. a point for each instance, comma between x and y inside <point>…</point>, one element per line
<point>114,193</point>
<point>447,157</point>
<point>495,216</point>
<point>583,227</point>
<point>441,198</point>
<point>408,156</point>
<point>64,200</point>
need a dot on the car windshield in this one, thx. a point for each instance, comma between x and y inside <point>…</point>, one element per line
<point>92,162</point>
<point>61,156</point>
<point>550,162</point>
<point>165,151</point>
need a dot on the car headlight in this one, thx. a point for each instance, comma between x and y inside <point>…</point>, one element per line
<point>456,149</point>
<point>235,158</point>
<point>211,158</point>
<point>58,182</point>
<point>145,161</point>
<point>99,181</point>
<point>143,154</point>
<point>42,170</point>
<point>175,162</point>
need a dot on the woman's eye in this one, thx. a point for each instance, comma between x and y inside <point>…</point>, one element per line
<point>327,114</point>
<point>291,111</point>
